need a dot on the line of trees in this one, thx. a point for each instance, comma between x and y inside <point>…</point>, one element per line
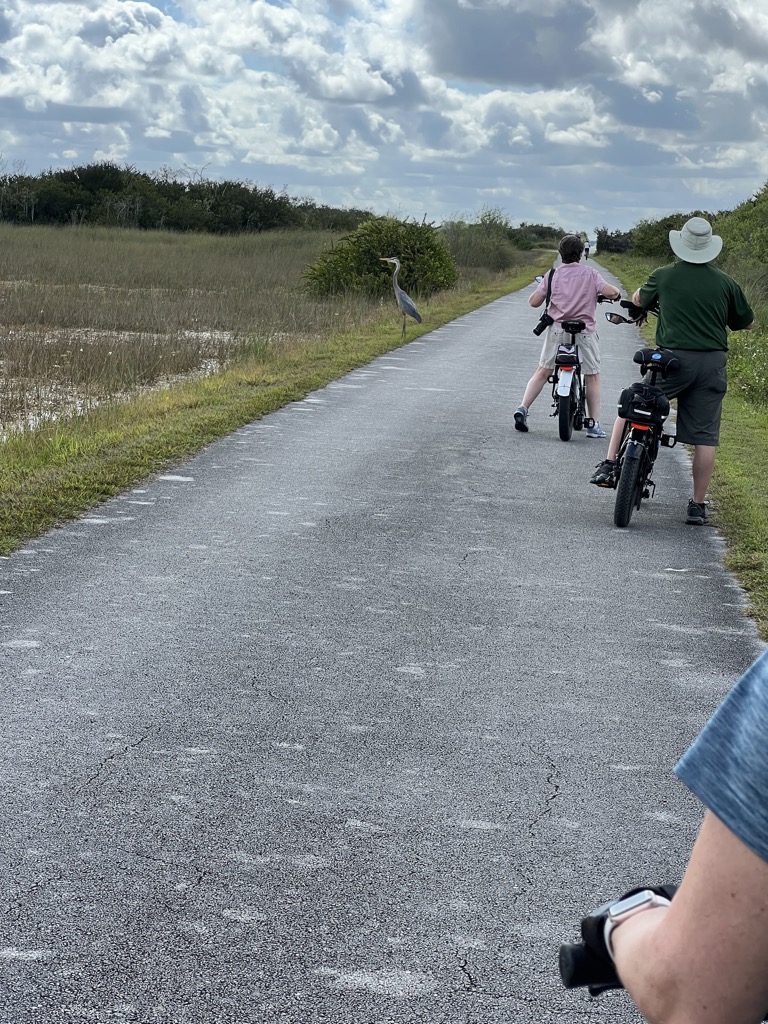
<point>648,237</point>
<point>744,231</point>
<point>106,194</point>
<point>110,195</point>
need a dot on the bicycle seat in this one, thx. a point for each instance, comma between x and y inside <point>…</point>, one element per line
<point>573,326</point>
<point>656,357</point>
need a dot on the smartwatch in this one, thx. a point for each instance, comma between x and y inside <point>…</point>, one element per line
<point>620,912</point>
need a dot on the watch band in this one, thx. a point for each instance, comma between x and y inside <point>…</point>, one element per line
<point>620,912</point>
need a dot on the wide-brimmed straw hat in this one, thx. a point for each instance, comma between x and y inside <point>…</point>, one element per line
<point>695,242</point>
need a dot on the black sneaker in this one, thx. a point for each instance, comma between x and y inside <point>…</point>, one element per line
<point>604,475</point>
<point>697,514</point>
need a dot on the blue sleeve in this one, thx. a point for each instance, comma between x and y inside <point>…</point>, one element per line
<point>726,767</point>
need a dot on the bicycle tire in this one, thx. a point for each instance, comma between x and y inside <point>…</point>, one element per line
<point>579,412</point>
<point>630,482</point>
<point>565,413</point>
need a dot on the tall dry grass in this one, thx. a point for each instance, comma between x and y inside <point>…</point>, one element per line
<point>90,315</point>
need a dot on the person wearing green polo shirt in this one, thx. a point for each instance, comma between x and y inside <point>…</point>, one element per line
<point>698,304</point>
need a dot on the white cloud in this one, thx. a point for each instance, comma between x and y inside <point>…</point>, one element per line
<point>582,109</point>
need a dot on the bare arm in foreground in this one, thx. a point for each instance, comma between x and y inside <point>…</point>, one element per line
<point>705,959</point>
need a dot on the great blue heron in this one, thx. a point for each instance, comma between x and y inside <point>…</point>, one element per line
<point>405,303</point>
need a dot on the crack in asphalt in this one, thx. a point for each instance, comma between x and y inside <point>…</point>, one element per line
<point>470,984</point>
<point>113,757</point>
<point>552,782</point>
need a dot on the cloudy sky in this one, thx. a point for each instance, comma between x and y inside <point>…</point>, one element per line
<point>579,113</point>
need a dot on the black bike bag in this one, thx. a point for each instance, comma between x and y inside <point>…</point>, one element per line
<point>567,358</point>
<point>643,403</point>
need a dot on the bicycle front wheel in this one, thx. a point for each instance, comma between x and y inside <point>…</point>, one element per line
<point>628,489</point>
<point>566,409</point>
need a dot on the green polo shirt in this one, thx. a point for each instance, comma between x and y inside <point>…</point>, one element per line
<point>697,303</point>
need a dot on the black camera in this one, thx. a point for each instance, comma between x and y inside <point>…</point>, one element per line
<point>545,321</point>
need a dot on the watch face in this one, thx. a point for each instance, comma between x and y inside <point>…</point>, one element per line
<point>631,903</point>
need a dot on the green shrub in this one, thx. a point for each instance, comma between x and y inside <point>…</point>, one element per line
<point>651,237</point>
<point>613,241</point>
<point>354,263</point>
<point>471,246</point>
<point>748,366</point>
<point>744,230</point>
<point>493,243</point>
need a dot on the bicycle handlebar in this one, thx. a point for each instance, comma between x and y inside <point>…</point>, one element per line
<point>581,968</point>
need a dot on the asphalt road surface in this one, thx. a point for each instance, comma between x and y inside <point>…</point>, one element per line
<point>352,716</point>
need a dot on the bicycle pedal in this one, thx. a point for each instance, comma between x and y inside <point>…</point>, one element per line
<point>668,440</point>
<point>589,422</point>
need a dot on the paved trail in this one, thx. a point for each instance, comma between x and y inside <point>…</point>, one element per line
<point>350,717</point>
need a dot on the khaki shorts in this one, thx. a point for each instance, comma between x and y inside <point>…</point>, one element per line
<point>589,351</point>
<point>699,385</point>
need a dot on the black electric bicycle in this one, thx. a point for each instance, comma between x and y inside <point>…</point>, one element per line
<point>644,407</point>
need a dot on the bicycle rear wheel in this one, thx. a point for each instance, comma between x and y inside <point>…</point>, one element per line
<point>579,412</point>
<point>629,488</point>
<point>566,409</point>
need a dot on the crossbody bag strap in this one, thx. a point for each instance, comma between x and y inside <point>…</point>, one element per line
<point>549,289</point>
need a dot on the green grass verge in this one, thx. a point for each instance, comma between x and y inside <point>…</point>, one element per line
<point>739,488</point>
<point>59,471</point>
<point>739,492</point>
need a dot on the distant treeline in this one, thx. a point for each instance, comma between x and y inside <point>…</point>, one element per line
<point>109,195</point>
<point>106,194</point>
<point>744,231</point>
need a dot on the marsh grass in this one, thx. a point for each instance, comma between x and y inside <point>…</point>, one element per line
<point>94,315</point>
<point>130,351</point>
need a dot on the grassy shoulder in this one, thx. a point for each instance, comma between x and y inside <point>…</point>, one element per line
<point>739,488</point>
<point>61,470</point>
<point>739,492</point>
